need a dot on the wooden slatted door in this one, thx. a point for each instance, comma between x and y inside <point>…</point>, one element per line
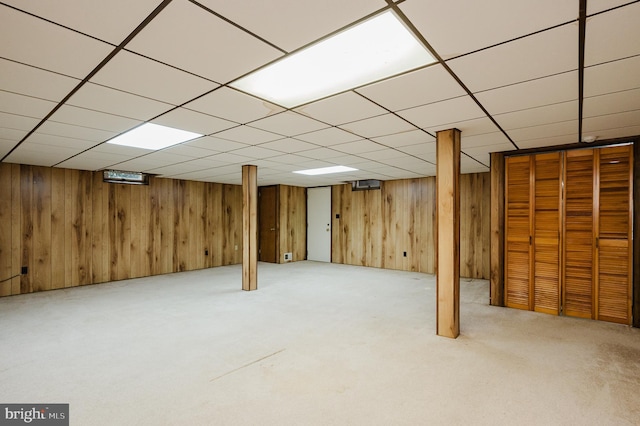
<point>579,253</point>
<point>614,248</point>
<point>547,220</point>
<point>518,232</point>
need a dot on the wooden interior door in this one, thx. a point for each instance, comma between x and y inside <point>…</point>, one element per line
<point>579,242</point>
<point>613,244</point>
<point>547,223</point>
<point>518,232</point>
<point>268,224</point>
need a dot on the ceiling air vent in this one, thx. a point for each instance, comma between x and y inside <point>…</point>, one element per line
<point>363,185</point>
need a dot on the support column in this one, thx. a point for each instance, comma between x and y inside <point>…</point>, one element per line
<point>497,229</point>
<point>448,233</point>
<point>249,228</point>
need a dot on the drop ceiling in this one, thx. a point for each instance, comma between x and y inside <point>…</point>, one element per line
<point>76,73</point>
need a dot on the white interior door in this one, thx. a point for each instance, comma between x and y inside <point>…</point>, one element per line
<point>319,224</point>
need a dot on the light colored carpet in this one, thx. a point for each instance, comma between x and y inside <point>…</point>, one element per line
<point>317,344</point>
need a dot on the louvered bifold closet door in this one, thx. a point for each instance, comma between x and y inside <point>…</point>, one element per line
<point>517,231</point>
<point>546,235</point>
<point>579,241</point>
<point>614,234</point>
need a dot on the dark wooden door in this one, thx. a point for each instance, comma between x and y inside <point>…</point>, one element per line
<point>268,224</point>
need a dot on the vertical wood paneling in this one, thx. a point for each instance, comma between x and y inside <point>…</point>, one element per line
<point>16,232</point>
<point>41,273</point>
<point>377,227</point>
<point>7,270</point>
<point>26,198</point>
<point>292,222</point>
<point>99,232</point>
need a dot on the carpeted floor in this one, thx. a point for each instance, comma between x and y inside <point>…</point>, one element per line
<point>317,344</point>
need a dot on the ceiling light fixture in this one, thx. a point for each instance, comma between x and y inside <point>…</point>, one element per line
<point>377,48</point>
<point>326,170</point>
<point>153,136</point>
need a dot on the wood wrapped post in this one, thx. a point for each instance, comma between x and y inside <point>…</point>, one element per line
<point>448,233</point>
<point>497,229</point>
<point>249,228</point>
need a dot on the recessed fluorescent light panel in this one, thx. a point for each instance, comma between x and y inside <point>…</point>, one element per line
<point>375,49</point>
<point>153,136</point>
<point>326,170</point>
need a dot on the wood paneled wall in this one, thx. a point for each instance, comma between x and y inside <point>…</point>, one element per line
<point>377,227</point>
<point>292,222</point>
<point>69,228</point>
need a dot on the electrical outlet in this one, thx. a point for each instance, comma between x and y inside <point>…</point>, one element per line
<point>288,257</point>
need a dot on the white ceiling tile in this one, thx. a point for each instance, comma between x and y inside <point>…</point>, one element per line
<point>322,153</point>
<point>482,24</point>
<point>256,152</point>
<point>289,145</point>
<point>39,155</point>
<point>233,105</point>
<point>77,132</point>
<point>520,60</point>
<point>536,116</point>
<point>248,135</point>
<point>476,126</point>
<point>141,76</point>
<point>612,77</point>
<point>553,130</point>
<point>358,147</point>
<point>628,100</point>
<point>94,119</point>
<point>378,126</point>
<point>26,80</point>
<point>288,124</point>
<point>595,6</point>
<point>180,168</point>
<point>545,91</point>
<point>17,122</point>
<point>60,141</point>
<point>443,113</point>
<point>342,108</point>
<point>487,139</point>
<point>405,138</point>
<point>121,150</point>
<point>383,155</point>
<point>612,35</point>
<point>48,46</point>
<point>292,159</point>
<point>82,162</point>
<point>471,165</point>
<point>410,163</point>
<point>111,21</point>
<point>426,151</point>
<point>215,144</point>
<point>549,141</point>
<point>103,99</point>
<point>12,103</point>
<point>5,145</point>
<point>483,153</point>
<point>186,150</point>
<point>231,158</point>
<point>596,125</point>
<point>295,23</point>
<point>329,137</point>
<point>186,36</point>
<point>425,86</point>
<point>12,135</point>
<point>192,121</point>
<point>620,132</point>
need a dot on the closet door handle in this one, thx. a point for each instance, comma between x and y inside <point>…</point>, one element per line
<point>530,240</point>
